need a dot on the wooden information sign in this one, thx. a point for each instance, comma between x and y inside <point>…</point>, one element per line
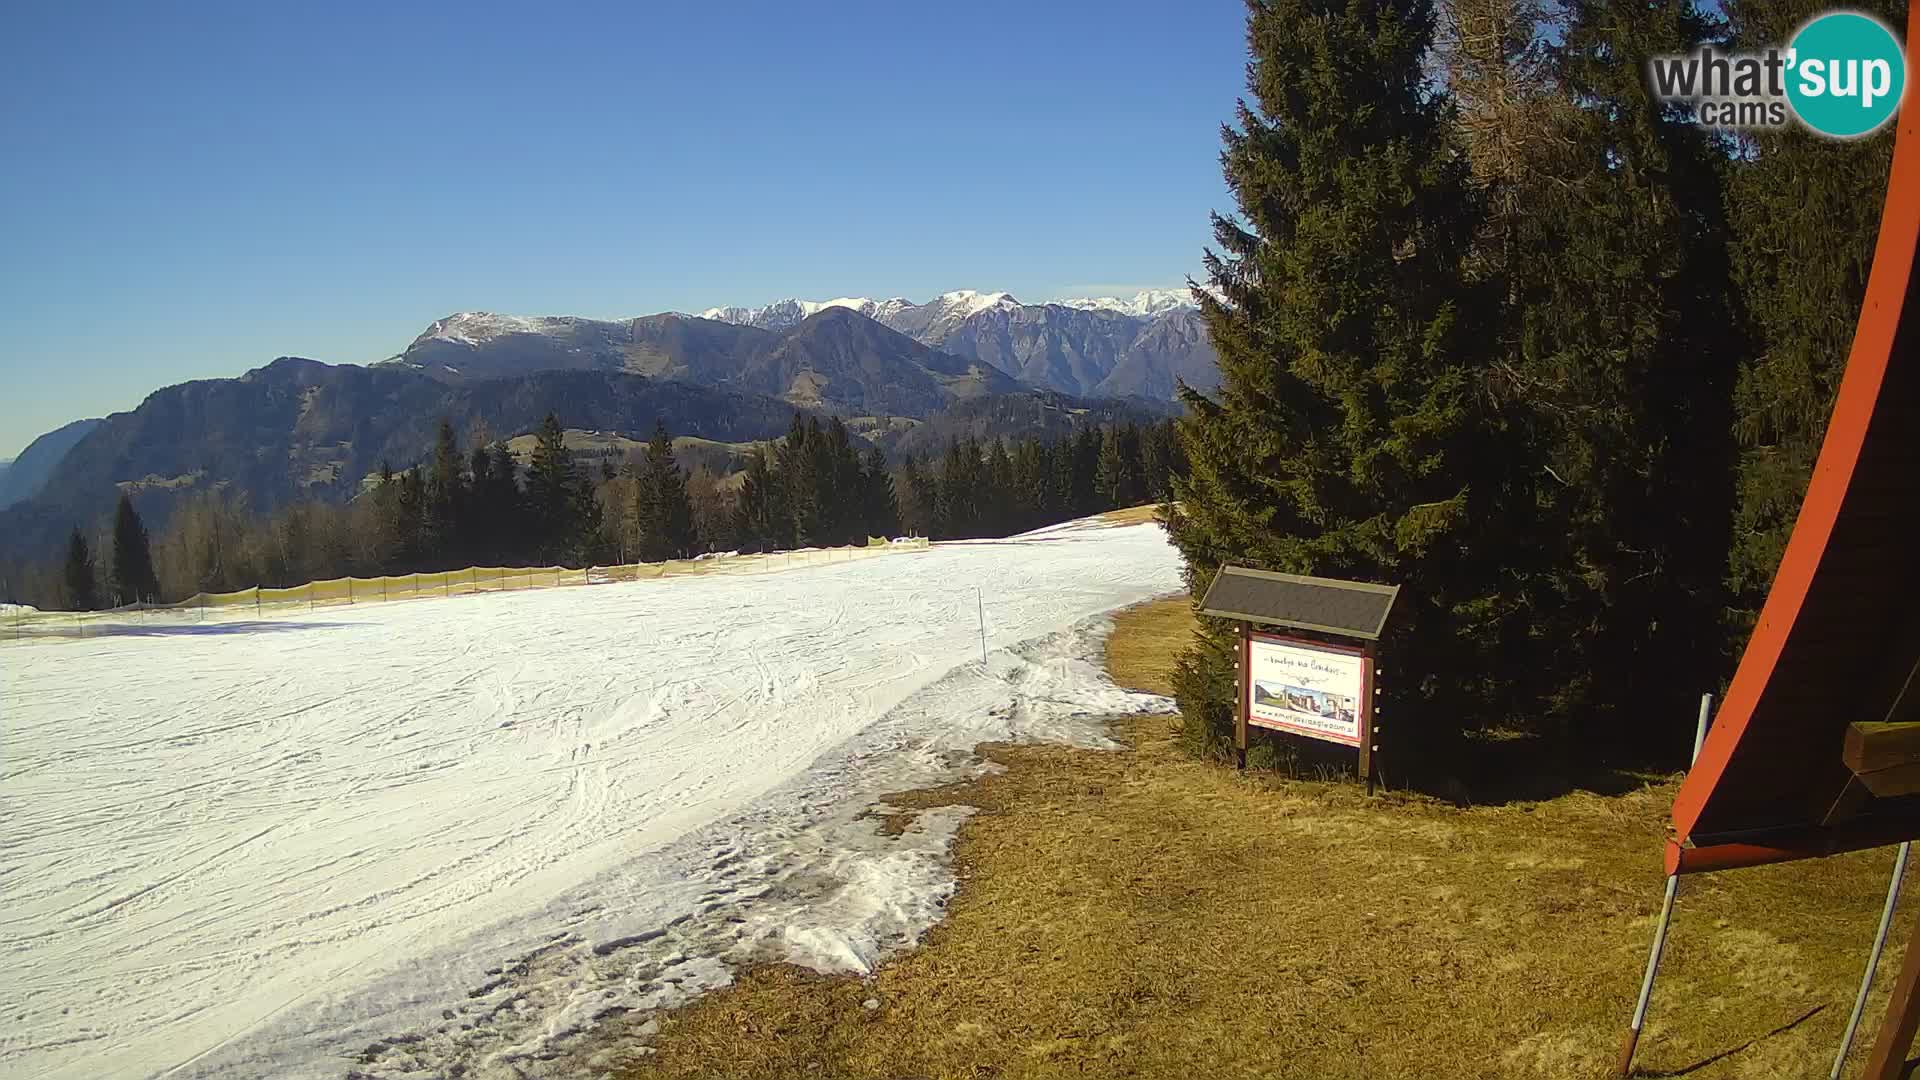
<point>1318,680</point>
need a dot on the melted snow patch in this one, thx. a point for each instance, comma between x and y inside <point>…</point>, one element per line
<point>805,877</point>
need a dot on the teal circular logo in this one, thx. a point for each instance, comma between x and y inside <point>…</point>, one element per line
<point>1846,73</point>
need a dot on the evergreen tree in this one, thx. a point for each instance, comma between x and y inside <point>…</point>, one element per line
<point>410,504</point>
<point>1119,481</point>
<point>446,499</point>
<point>480,533</point>
<point>998,512</point>
<point>1343,439</point>
<point>920,509</point>
<point>1029,484</point>
<point>133,579</point>
<point>958,502</point>
<point>1614,370</point>
<point>1805,213</point>
<point>1156,460</point>
<point>563,515</point>
<point>662,511</point>
<point>798,467</point>
<point>82,593</point>
<point>1084,472</point>
<point>1060,493</point>
<point>760,519</point>
<point>385,521</point>
<point>844,495</point>
<point>880,507</point>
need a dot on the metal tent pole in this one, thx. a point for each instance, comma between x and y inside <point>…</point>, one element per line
<point>1873,959</point>
<point>1660,928</point>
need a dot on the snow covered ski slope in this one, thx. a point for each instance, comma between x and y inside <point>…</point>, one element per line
<point>403,838</point>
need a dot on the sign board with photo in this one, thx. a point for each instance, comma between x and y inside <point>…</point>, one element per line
<point>1293,679</point>
<point>1308,688</point>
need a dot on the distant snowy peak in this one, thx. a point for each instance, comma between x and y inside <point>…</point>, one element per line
<point>966,302</point>
<point>1145,304</point>
<point>477,327</point>
<point>786,314</point>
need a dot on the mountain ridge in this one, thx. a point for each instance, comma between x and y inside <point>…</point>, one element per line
<point>836,358</point>
<point>1101,346</point>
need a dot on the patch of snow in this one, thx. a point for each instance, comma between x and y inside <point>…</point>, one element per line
<point>417,838</point>
<point>476,327</point>
<point>967,302</point>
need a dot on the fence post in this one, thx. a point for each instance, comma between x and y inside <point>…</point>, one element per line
<point>309,596</point>
<point>256,601</point>
<point>349,590</point>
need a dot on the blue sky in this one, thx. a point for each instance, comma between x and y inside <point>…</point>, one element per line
<point>191,195</point>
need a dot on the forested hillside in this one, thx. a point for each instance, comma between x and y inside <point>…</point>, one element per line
<point>533,501</point>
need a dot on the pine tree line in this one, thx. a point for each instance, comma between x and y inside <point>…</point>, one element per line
<point>478,506</point>
<point>1522,341</point>
<point>978,489</point>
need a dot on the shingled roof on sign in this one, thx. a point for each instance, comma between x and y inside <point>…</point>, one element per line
<point>1326,605</point>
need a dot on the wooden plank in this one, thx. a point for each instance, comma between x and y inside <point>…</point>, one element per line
<point>1245,704</point>
<point>1871,747</point>
<point>1890,1047</point>
<point>1365,708</point>
<point>1888,783</point>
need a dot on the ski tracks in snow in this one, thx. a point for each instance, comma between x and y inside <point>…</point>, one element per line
<point>390,838</point>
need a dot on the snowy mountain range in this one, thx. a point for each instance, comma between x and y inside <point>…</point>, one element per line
<point>1141,346</point>
<point>957,305</point>
<point>968,361</point>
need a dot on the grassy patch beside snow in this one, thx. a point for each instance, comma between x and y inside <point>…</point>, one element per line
<point>1142,914</point>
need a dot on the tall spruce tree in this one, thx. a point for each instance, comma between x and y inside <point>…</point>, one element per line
<point>563,515</point>
<point>133,580</point>
<point>998,512</point>
<point>499,507</point>
<point>880,506</point>
<point>83,594</point>
<point>921,502</point>
<point>662,511</point>
<point>1805,213</point>
<point>446,495</point>
<point>1343,439</point>
<point>1619,330</point>
<point>760,520</point>
<point>1119,480</point>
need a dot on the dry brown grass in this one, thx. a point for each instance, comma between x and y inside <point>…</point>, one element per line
<point>1140,914</point>
<point>1132,515</point>
<point>1145,640</point>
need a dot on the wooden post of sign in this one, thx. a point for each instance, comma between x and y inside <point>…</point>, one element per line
<point>1890,1047</point>
<point>1366,718</point>
<point>1245,704</point>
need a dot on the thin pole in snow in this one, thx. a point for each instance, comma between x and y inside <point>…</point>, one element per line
<point>980,606</point>
<point>1873,959</point>
<point>1660,928</point>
